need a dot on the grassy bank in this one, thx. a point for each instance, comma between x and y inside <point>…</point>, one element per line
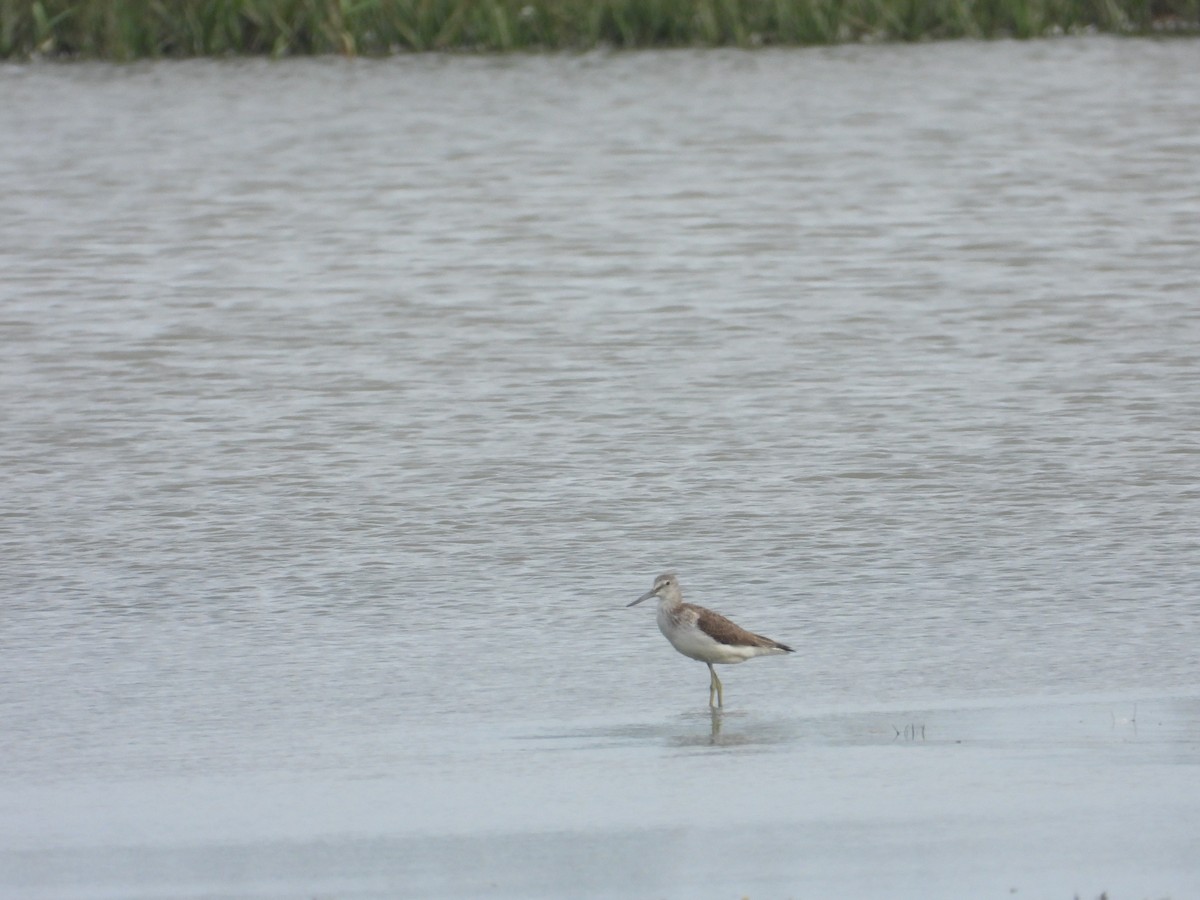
<point>133,29</point>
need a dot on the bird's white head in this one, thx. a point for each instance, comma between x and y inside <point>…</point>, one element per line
<point>666,587</point>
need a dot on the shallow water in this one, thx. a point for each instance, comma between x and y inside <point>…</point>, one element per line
<point>346,405</point>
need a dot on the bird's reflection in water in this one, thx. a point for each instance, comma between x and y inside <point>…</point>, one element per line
<point>725,729</point>
<point>695,729</point>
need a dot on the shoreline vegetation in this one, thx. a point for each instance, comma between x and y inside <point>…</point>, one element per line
<point>126,30</point>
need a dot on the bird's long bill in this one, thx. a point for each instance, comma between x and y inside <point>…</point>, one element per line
<point>645,596</point>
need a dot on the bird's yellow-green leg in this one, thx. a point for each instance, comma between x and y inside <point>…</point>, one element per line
<point>714,685</point>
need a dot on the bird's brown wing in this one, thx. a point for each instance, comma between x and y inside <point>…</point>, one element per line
<point>721,630</point>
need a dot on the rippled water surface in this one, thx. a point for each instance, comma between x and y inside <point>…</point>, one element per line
<point>346,404</point>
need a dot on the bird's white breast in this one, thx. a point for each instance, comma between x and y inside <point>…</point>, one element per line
<point>679,626</point>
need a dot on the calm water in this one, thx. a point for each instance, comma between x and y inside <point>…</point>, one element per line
<point>346,404</point>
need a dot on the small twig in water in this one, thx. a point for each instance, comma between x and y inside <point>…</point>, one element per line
<point>911,732</point>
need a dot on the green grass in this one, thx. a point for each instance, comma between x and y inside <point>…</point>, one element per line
<point>135,29</point>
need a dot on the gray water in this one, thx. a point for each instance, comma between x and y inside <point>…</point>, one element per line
<point>345,404</point>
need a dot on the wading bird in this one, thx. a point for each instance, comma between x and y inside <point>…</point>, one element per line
<point>703,634</point>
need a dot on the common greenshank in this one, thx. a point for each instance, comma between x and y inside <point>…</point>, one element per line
<point>703,634</point>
